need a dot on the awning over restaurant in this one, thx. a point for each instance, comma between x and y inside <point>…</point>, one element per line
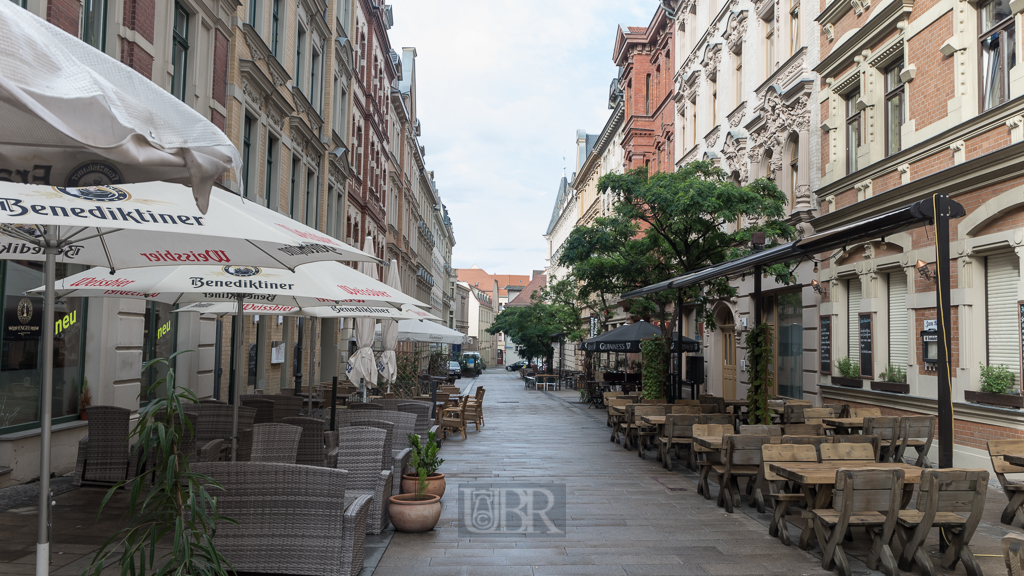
<point>875,227</point>
<point>627,339</point>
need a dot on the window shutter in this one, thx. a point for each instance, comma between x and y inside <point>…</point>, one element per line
<point>853,319</point>
<point>1002,275</point>
<point>899,355</point>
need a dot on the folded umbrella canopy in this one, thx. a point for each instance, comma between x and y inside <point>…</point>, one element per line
<point>72,116</point>
<point>362,366</point>
<point>388,363</point>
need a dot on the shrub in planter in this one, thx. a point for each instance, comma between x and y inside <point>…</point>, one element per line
<point>425,461</point>
<point>892,379</point>
<point>996,379</point>
<point>848,368</point>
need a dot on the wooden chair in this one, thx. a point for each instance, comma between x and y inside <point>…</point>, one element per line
<point>815,441</point>
<point>677,409</point>
<point>887,430</point>
<point>475,408</point>
<point>717,401</point>
<point>1013,488</point>
<point>794,413</point>
<point>866,498</point>
<point>1013,554</point>
<point>804,429</point>
<point>817,416</point>
<point>652,401</point>
<point>726,419</point>
<point>778,453</point>
<point>840,410</point>
<point>688,402</point>
<point>773,430</point>
<point>858,439</point>
<point>865,412</point>
<point>454,419</point>
<point>846,452</point>
<point>741,458</point>
<point>636,430</point>
<point>678,432</point>
<point>709,409</point>
<point>614,418</point>
<point>916,432</point>
<point>705,457</point>
<point>943,498</point>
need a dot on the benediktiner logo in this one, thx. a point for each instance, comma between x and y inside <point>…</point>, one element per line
<point>96,193</point>
<point>242,271</point>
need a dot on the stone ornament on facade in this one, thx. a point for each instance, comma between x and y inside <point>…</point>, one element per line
<point>733,153</point>
<point>736,116</point>
<point>736,31</point>
<point>712,58</point>
<point>712,137</point>
<point>780,122</point>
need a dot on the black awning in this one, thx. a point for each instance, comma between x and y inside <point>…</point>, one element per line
<point>875,227</point>
<point>628,338</point>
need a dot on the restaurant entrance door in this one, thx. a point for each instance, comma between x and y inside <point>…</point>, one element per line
<point>729,362</point>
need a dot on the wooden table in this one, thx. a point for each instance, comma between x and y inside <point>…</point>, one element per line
<point>846,424</point>
<point>654,420</point>
<point>618,409</point>
<point>817,479</point>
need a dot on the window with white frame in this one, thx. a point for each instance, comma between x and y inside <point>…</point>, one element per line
<point>275,28</point>
<point>794,27</point>
<point>315,74</point>
<point>769,46</point>
<point>853,130</point>
<point>179,52</point>
<point>998,53</point>
<point>340,107</point>
<point>738,78</point>
<point>270,174</point>
<point>94,23</point>
<point>248,167</point>
<point>300,57</point>
<point>895,107</point>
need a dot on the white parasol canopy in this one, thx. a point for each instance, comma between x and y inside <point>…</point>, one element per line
<point>73,116</point>
<point>425,331</point>
<point>362,366</point>
<point>388,363</point>
<point>255,309</point>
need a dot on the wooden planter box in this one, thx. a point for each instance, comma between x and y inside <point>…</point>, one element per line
<point>848,382</point>
<point>1009,400</point>
<point>890,387</point>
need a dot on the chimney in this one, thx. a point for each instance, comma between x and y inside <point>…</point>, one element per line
<point>581,148</point>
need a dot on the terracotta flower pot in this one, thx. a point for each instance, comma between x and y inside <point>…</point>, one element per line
<point>435,484</point>
<point>411,515</point>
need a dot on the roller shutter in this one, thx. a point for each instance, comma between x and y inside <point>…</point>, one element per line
<point>853,319</point>
<point>898,337</point>
<point>1002,276</point>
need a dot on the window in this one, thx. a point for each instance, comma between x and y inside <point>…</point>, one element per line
<point>997,53</point>
<point>179,55</point>
<point>300,57</point>
<point>769,46</point>
<point>22,3</point>
<point>738,80</point>
<point>315,92</point>
<point>340,100</point>
<point>294,189</point>
<point>894,107</point>
<point>270,185</point>
<point>158,341</point>
<point>94,23</point>
<point>647,96</point>
<point>252,12</point>
<point>312,196</point>
<point>852,131</point>
<point>794,172</point>
<point>275,28</point>
<point>714,102</point>
<point>246,150</point>
<point>693,123</point>
<point>794,28</point>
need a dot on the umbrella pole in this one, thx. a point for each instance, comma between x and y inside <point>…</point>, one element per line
<point>45,412</point>
<point>312,362</point>
<point>239,366</point>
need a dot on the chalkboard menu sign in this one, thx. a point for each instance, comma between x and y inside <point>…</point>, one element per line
<point>252,365</point>
<point>1020,323</point>
<point>865,346</point>
<point>825,346</point>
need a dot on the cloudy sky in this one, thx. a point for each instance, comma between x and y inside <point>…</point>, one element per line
<point>503,87</point>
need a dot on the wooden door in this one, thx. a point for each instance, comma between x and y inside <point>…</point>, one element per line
<point>729,362</point>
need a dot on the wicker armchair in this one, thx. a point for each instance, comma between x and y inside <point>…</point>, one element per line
<point>213,433</point>
<point>312,450</point>
<point>187,448</point>
<point>422,412</point>
<point>286,406</point>
<point>365,406</point>
<point>264,408</point>
<point>395,460</point>
<point>103,454</point>
<point>278,443</point>
<point>291,519</point>
<point>361,451</point>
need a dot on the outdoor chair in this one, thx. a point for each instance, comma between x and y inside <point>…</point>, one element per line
<point>717,401</point>
<point>103,454</point>
<point>773,430</point>
<point>141,469</point>
<point>264,408</point>
<point>840,410</point>
<point>1012,487</point>
<point>865,412</point>
<point>741,458</point>
<point>678,432</point>
<point>454,419</point>
<point>817,416</point>
<point>389,404</point>
<point>804,430</point>
<point>652,401</point>
<point>395,460</point>
<point>1013,554</point>
<point>887,430</point>
<point>782,453</point>
<point>616,420</point>
<point>794,413</point>
<point>707,458</point>
<point>859,439</point>
<point>867,498</point>
<point>815,441</point>
<point>360,451</point>
<point>641,431</point>
<point>677,409</point>
<point>277,443</point>
<point>365,406</point>
<point>725,419</point>
<point>710,409</point>
<point>944,498</point>
<point>287,405</point>
<point>311,450</point>
<point>688,403</point>
<point>475,408</point>
<point>846,452</point>
<point>422,412</point>
<point>275,506</point>
<point>916,432</point>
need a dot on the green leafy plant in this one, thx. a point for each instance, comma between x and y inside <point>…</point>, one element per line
<point>424,456</point>
<point>848,368</point>
<point>996,379</point>
<point>894,374</point>
<point>759,354</point>
<point>172,518</point>
<point>654,364</point>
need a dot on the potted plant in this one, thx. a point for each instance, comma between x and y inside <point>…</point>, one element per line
<point>996,388</point>
<point>425,462</point>
<point>849,374</point>
<point>84,400</point>
<point>893,379</point>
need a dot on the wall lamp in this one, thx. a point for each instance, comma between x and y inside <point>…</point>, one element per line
<point>925,271</point>
<point>818,287</point>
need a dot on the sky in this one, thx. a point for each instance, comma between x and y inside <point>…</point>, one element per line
<point>503,85</point>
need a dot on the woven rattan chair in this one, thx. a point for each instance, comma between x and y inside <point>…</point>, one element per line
<point>278,443</point>
<point>286,406</point>
<point>361,451</point>
<point>389,438</point>
<point>397,460</point>
<point>422,412</point>
<point>214,430</point>
<point>312,450</point>
<point>264,408</point>
<point>290,519</point>
<point>365,406</point>
<point>103,454</point>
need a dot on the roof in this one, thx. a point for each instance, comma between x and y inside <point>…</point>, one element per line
<point>476,275</point>
<point>560,199</point>
<point>525,298</point>
<point>637,29</point>
<point>591,142</point>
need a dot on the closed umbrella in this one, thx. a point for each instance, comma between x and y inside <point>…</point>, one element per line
<point>362,366</point>
<point>388,364</point>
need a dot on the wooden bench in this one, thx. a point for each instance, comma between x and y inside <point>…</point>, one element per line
<point>779,453</point>
<point>1014,489</point>
<point>678,432</point>
<point>741,458</point>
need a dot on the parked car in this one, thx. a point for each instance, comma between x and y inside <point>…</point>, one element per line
<point>454,370</point>
<point>515,366</point>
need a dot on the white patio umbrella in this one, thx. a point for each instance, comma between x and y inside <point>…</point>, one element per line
<point>72,116</point>
<point>426,331</point>
<point>362,366</point>
<point>388,364</point>
<point>337,311</point>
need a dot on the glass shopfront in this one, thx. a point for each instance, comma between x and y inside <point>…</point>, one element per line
<point>784,312</point>
<point>158,341</point>
<point>20,350</point>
